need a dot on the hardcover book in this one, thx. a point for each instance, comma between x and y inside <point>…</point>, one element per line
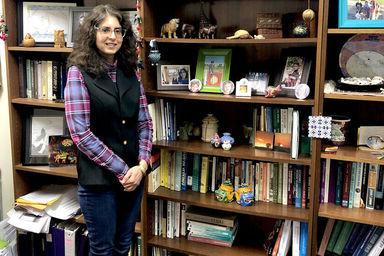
<point>62,151</point>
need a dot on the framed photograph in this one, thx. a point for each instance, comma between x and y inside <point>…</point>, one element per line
<point>243,88</point>
<point>213,66</point>
<point>173,77</point>
<point>264,140</point>
<point>76,17</point>
<point>361,14</point>
<point>294,72</point>
<point>41,19</point>
<point>259,82</point>
<point>38,126</point>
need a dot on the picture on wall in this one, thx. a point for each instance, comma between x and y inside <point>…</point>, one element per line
<point>361,13</point>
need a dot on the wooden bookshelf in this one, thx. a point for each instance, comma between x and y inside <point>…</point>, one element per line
<point>39,49</point>
<point>355,31</point>
<point>208,200</point>
<point>352,154</point>
<point>38,103</point>
<point>296,41</point>
<point>355,96</point>
<point>230,98</point>
<point>182,245</point>
<point>65,171</point>
<point>237,151</point>
<point>360,215</point>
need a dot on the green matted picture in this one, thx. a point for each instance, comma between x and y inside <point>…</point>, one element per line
<point>212,68</point>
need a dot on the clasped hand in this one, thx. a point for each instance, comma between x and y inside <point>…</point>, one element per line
<point>132,178</point>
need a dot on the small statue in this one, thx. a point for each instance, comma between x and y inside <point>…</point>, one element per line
<point>207,32</point>
<point>240,34</point>
<point>225,192</point>
<point>154,55</point>
<point>58,38</point>
<point>215,140</point>
<point>28,41</point>
<point>170,28</point>
<point>272,92</point>
<point>187,30</point>
<point>244,195</point>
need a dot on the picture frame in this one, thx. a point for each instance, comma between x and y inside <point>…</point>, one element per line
<point>243,88</point>
<point>53,15</point>
<point>213,67</point>
<point>76,15</point>
<point>295,70</point>
<point>259,82</point>
<point>38,125</point>
<point>360,14</point>
<point>173,76</point>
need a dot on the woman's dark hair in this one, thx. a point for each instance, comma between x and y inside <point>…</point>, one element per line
<point>85,54</point>
<point>183,69</point>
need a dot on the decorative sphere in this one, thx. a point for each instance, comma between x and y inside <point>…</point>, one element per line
<point>308,15</point>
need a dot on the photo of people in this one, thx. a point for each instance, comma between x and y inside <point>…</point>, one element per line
<point>195,85</point>
<point>365,10</point>
<point>213,70</point>
<point>293,71</point>
<point>175,74</point>
<point>227,87</point>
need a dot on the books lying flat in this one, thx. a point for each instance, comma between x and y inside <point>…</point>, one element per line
<point>211,216</point>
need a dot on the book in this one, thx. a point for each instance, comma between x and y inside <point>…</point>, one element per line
<point>371,186</point>
<point>209,241</point>
<point>295,238</point>
<point>211,216</point>
<point>334,235</point>
<point>62,151</point>
<point>378,247</point>
<point>326,236</point>
<point>303,238</point>
<point>271,239</point>
<point>285,242</point>
<point>295,135</point>
<point>372,240</point>
<point>345,232</point>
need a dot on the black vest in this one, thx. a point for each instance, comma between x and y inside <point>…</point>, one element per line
<point>113,119</point>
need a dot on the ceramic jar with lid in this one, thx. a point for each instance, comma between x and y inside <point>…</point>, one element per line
<point>209,127</point>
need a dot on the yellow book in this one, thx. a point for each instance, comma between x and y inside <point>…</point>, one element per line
<point>204,175</point>
<point>164,167</point>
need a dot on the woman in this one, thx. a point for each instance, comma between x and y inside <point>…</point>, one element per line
<point>183,76</point>
<point>108,119</point>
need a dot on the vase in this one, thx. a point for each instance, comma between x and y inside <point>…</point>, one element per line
<point>209,127</point>
<point>226,141</point>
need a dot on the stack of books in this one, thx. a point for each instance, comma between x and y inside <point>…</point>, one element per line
<point>212,227</point>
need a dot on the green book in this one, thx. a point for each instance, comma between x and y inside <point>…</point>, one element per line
<point>334,235</point>
<point>343,237</point>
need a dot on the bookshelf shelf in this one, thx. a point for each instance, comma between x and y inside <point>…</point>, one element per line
<point>38,103</point>
<point>66,171</point>
<point>360,215</point>
<point>296,41</point>
<point>355,31</point>
<point>229,98</point>
<point>237,151</point>
<point>208,200</point>
<point>200,249</point>
<point>355,96</point>
<point>39,49</point>
<point>354,155</point>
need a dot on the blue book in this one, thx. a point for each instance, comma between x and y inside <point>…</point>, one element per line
<point>357,229</point>
<point>372,241</point>
<point>339,183</point>
<point>298,184</point>
<point>363,242</point>
<point>303,238</point>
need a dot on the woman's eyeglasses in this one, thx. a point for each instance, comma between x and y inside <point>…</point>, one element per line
<point>107,31</point>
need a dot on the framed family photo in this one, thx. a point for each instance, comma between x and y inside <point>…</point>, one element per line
<point>173,77</point>
<point>361,13</point>
<point>38,126</point>
<point>41,19</point>
<point>213,66</point>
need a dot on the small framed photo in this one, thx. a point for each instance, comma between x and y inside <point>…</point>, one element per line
<point>243,88</point>
<point>76,17</point>
<point>259,82</point>
<point>295,71</point>
<point>361,14</point>
<point>227,87</point>
<point>38,126</point>
<point>173,77</point>
<point>194,85</point>
<point>41,19</point>
<point>213,66</point>
<point>264,140</point>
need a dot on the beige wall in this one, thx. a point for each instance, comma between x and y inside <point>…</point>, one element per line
<point>5,140</point>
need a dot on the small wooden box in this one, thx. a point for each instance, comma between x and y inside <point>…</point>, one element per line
<point>268,20</point>
<point>270,33</point>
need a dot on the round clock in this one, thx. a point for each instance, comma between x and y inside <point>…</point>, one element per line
<point>363,56</point>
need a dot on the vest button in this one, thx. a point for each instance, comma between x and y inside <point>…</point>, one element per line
<point>123,121</point>
<point>125,142</point>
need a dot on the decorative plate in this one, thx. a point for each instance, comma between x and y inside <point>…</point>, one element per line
<point>359,87</point>
<point>363,56</point>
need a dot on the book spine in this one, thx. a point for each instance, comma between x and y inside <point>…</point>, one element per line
<point>379,189</point>
<point>378,247</point>
<point>285,184</point>
<point>371,188</point>
<point>204,175</point>
<point>326,181</point>
<point>210,219</point>
<point>209,241</point>
<point>357,191</point>
<point>346,184</point>
<point>326,236</point>
<point>339,183</point>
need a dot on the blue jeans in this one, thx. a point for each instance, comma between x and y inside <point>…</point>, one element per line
<point>110,215</point>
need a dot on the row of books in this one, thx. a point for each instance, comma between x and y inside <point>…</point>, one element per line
<point>157,251</point>
<point>174,219</point>
<point>282,183</point>
<point>287,233</point>
<point>349,238</point>
<point>42,79</point>
<point>352,184</point>
<point>163,115</point>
